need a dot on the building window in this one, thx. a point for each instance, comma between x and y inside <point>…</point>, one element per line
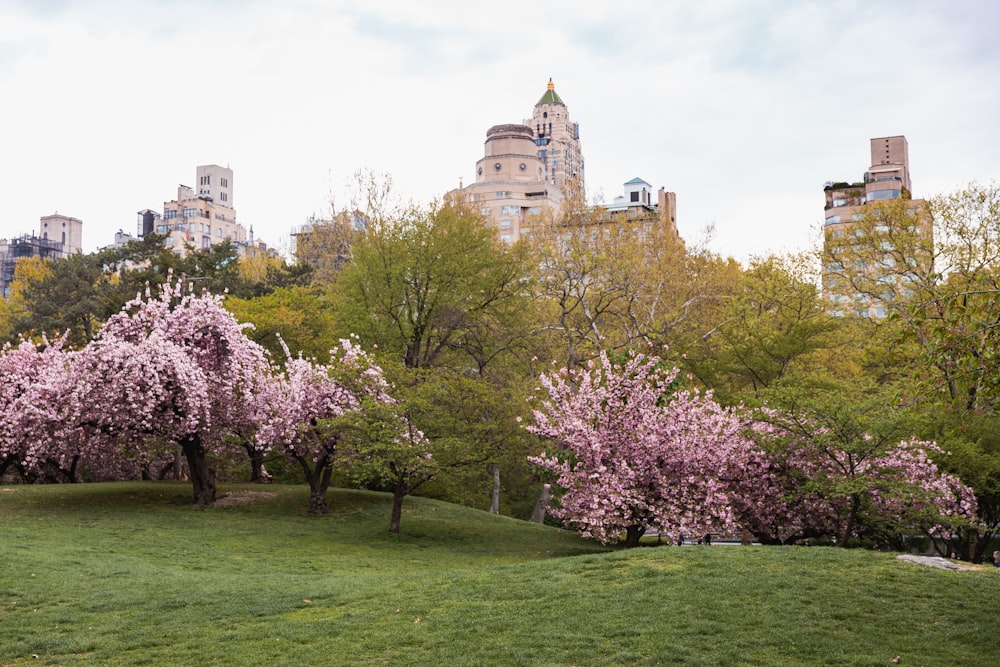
<point>167,215</point>
<point>839,202</point>
<point>510,210</point>
<point>505,224</point>
<point>831,220</point>
<point>882,195</point>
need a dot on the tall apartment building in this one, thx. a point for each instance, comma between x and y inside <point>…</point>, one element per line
<point>851,233</point>
<point>200,218</point>
<point>525,169</point>
<point>510,187</point>
<point>557,139</point>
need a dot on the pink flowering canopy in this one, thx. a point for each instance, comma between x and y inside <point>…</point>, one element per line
<point>176,367</point>
<point>815,486</point>
<point>633,454</point>
<point>319,414</point>
<point>35,418</point>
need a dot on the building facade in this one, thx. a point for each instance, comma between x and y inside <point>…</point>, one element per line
<point>58,236</point>
<point>526,170</point>
<point>510,189</point>
<point>198,218</point>
<point>860,244</point>
<point>64,230</point>
<point>637,205</point>
<point>557,140</point>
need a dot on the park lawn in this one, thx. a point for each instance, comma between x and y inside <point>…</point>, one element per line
<point>133,574</point>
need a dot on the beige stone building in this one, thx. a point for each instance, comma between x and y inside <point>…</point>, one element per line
<point>510,188</point>
<point>64,230</point>
<point>859,249</point>
<point>59,236</point>
<point>526,169</point>
<point>204,217</point>
<point>557,139</point>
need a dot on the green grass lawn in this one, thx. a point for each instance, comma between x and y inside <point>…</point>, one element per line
<point>133,574</point>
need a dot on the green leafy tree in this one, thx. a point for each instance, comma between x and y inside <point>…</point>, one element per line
<point>70,296</point>
<point>301,316</point>
<point>478,443</point>
<point>428,285</point>
<point>774,320</point>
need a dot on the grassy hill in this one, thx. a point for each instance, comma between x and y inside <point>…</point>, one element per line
<point>130,574</point>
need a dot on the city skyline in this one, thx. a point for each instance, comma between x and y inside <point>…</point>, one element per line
<point>744,109</point>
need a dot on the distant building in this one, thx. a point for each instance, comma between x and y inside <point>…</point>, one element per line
<point>557,139</point>
<point>637,205</point>
<point>199,219</point>
<point>64,230</point>
<point>887,179</point>
<point>325,245</point>
<point>526,170</point>
<point>58,236</point>
<point>511,187</point>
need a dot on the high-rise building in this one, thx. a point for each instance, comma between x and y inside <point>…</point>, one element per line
<point>557,139</point>
<point>860,253</point>
<point>526,170</point>
<point>200,219</point>
<point>510,187</point>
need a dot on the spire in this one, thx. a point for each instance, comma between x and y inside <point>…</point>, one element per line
<point>550,96</point>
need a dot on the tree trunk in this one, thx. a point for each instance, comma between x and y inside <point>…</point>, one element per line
<point>202,474</point>
<point>319,478</point>
<point>398,494</point>
<point>541,505</point>
<point>256,465</point>
<point>495,494</point>
<point>632,535</point>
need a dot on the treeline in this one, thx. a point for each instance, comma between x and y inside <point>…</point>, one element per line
<point>462,325</point>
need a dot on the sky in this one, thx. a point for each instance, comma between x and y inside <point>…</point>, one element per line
<point>744,108</point>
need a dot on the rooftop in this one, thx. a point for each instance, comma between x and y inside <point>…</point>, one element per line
<point>550,96</point>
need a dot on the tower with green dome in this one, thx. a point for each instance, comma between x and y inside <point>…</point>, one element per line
<point>557,140</point>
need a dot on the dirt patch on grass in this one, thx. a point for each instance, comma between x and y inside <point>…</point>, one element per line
<point>243,498</point>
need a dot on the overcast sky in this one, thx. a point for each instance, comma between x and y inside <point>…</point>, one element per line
<point>744,108</point>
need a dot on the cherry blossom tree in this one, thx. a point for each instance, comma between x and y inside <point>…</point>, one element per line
<point>35,415</point>
<point>829,479</point>
<point>632,452</point>
<point>342,413</point>
<point>174,367</point>
<point>308,414</point>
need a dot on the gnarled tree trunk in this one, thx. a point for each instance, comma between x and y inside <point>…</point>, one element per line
<point>632,535</point>
<point>202,474</point>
